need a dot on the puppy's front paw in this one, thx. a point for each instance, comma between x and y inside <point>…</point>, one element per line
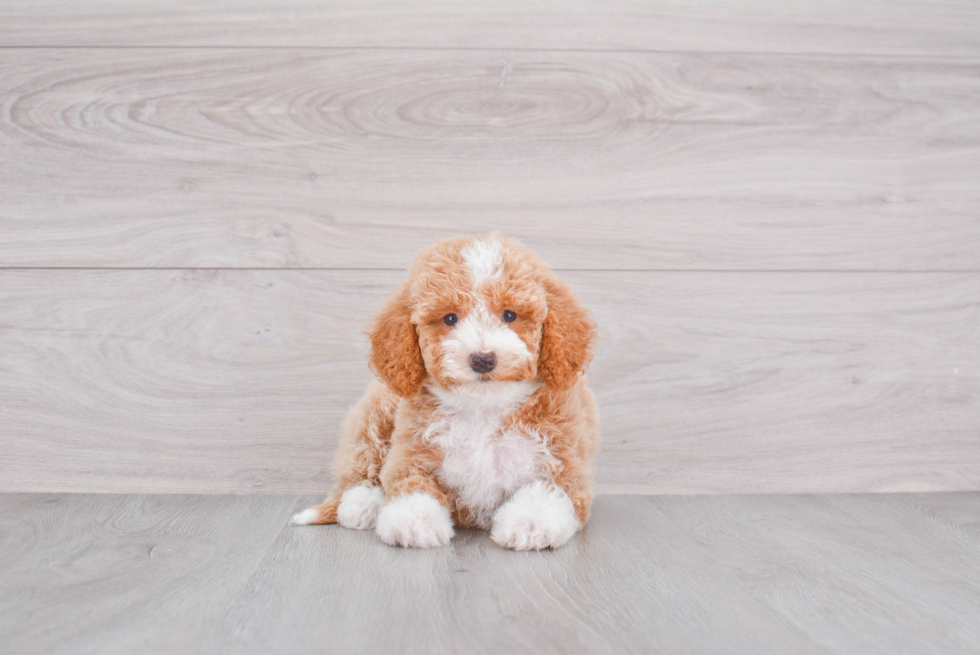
<point>415,521</point>
<point>359,507</point>
<point>538,516</point>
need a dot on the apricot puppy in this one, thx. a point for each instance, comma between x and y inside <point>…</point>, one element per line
<point>482,417</point>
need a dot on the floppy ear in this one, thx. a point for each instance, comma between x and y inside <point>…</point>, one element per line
<point>567,337</point>
<point>395,354</point>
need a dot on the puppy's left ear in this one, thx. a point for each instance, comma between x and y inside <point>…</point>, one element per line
<point>567,337</point>
<point>395,354</point>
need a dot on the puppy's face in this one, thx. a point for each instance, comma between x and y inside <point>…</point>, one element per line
<point>479,313</point>
<point>476,314</point>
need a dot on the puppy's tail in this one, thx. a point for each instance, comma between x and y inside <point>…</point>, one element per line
<point>325,512</point>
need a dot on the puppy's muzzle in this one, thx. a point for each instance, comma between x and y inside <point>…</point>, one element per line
<point>483,362</point>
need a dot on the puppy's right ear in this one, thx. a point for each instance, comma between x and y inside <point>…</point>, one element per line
<point>395,354</point>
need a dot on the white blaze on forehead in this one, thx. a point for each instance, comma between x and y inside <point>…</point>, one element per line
<point>482,259</point>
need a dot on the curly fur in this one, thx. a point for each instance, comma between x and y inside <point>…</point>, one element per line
<point>437,430</point>
<point>566,338</point>
<point>395,355</point>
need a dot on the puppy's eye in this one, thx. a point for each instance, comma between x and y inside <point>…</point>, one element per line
<point>509,316</point>
<point>450,319</point>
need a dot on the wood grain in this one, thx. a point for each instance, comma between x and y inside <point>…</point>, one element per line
<point>793,553</point>
<point>358,158</point>
<point>844,26</point>
<point>236,381</point>
<point>771,206</point>
<point>126,574</point>
<point>888,573</point>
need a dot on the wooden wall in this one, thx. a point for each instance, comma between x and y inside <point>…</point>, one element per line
<point>772,209</point>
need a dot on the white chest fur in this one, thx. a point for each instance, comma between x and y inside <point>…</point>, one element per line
<point>484,464</point>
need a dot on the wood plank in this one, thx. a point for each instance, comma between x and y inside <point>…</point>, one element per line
<point>236,381</point>
<point>831,567</point>
<point>355,159</point>
<point>845,574</point>
<point>592,596</point>
<point>126,574</point>
<point>844,26</point>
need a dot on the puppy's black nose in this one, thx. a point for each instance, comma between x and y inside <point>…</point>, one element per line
<point>483,362</point>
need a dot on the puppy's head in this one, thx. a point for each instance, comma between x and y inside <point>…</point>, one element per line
<point>478,313</point>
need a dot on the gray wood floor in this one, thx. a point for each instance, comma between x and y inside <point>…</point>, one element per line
<point>772,208</point>
<point>890,573</point>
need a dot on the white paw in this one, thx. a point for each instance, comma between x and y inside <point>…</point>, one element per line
<point>415,521</point>
<point>538,516</point>
<point>306,517</point>
<point>359,507</point>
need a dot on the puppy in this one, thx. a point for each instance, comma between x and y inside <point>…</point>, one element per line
<point>482,417</point>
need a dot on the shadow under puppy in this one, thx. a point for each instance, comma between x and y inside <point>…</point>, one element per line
<point>482,417</point>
